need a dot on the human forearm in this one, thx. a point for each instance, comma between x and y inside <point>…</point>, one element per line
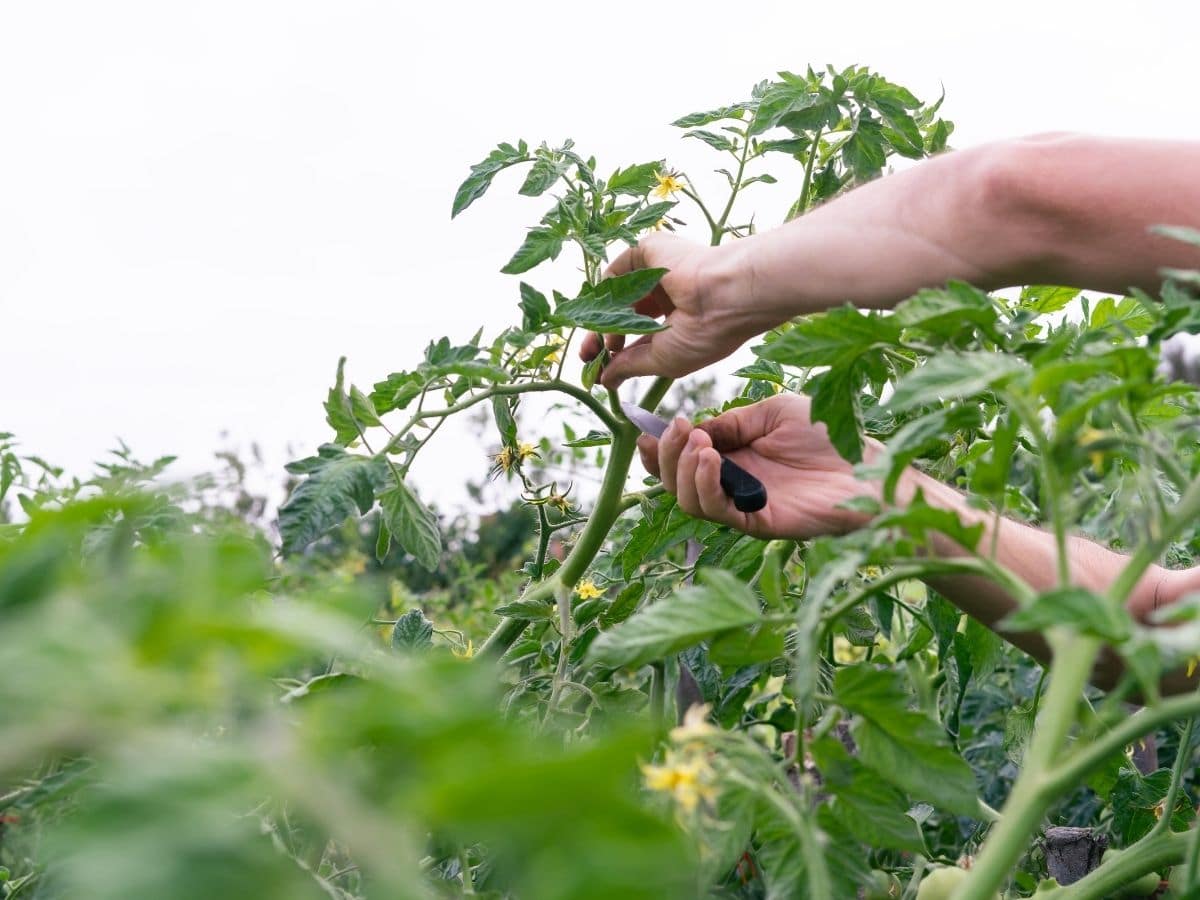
<point>1062,210</point>
<point>1030,553</point>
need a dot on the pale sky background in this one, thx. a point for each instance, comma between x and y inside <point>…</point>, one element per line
<point>203,205</point>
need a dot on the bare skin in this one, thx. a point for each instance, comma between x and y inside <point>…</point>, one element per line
<point>777,441</point>
<point>1054,209</point>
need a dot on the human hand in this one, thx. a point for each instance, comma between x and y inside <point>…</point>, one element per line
<point>777,442</point>
<point>703,324</point>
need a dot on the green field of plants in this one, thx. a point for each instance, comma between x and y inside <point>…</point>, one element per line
<point>588,693</point>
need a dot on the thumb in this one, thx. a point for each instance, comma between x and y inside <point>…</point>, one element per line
<point>636,359</point>
<point>735,428</point>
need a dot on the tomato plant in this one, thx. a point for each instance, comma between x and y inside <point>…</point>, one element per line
<point>804,718</point>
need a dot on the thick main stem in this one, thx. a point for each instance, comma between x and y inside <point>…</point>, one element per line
<point>1074,656</point>
<point>608,507</point>
<point>1152,853</point>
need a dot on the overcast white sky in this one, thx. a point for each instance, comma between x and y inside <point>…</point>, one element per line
<point>203,205</point>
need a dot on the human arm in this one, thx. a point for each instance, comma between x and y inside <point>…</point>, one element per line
<point>1054,209</point>
<point>809,483</point>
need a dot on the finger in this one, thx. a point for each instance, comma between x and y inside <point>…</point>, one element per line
<point>670,445</point>
<point>685,473</point>
<point>636,359</point>
<point>590,346</point>
<point>739,427</point>
<point>614,342</point>
<point>648,450</point>
<point>629,260</point>
<point>713,502</point>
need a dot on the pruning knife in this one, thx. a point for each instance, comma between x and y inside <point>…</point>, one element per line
<point>748,493</point>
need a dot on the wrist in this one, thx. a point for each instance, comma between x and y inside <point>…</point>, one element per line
<point>731,290</point>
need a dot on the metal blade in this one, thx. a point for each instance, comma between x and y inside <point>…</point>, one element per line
<point>647,422</point>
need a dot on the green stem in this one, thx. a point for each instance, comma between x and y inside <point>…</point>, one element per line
<point>1182,757</point>
<point>504,390</point>
<point>608,507</point>
<point>922,569</point>
<point>658,694</point>
<point>1186,512</point>
<point>1052,486</point>
<point>712,223</point>
<point>817,874</point>
<point>801,204</point>
<point>464,864</point>
<point>1022,813</point>
<point>1150,854</point>
<point>1072,771</point>
<point>719,230</point>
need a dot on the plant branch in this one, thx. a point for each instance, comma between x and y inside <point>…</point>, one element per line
<point>1073,658</point>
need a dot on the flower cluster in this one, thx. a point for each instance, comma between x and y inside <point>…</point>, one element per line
<point>686,773</point>
<point>510,457</point>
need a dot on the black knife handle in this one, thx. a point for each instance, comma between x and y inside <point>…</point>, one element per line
<point>747,492</point>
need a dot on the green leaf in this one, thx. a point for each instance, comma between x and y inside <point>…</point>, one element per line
<point>778,101</point>
<point>918,518</point>
<point>835,402</point>
<point>691,615</point>
<point>534,307</point>
<point>838,336</point>
<point>540,245</point>
<point>593,438</point>
<point>591,371</point>
<point>396,391</point>
<point>362,408</point>
<point>744,647</point>
<point>526,609</point>
<point>649,216</point>
<point>1178,233</point>
<point>1076,608</point>
<point>412,524</point>
<point>338,485</point>
<point>1046,298</point>
<point>906,747</point>
<point>542,174</point>
<point>338,411</point>
<point>694,120</point>
<point>605,307</point>
<point>623,604</point>
<point>483,172</point>
<point>627,289</point>
<point>1129,314</point>
<point>916,437</point>
<point>871,808</point>
<point>863,152</point>
<point>947,312</point>
<point>952,376</point>
<point>412,631</point>
<point>506,422</point>
<point>714,140</point>
<point>635,181</point>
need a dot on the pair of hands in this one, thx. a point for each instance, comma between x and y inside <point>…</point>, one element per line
<point>775,440</point>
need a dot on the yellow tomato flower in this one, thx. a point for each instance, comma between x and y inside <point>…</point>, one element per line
<point>688,781</point>
<point>524,451</point>
<point>668,183</point>
<point>1095,457</point>
<point>846,653</point>
<point>695,725</point>
<point>556,354</point>
<point>466,652</point>
<point>504,461</point>
<point>587,590</point>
